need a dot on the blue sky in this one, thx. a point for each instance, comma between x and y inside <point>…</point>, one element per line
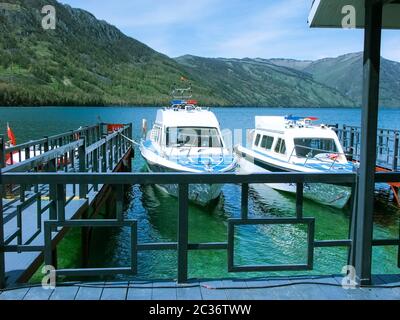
<point>231,28</point>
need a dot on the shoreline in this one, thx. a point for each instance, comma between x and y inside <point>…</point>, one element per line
<point>211,106</point>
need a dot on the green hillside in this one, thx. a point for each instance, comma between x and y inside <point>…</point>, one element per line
<point>85,61</point>
<point>257,82</point>
<point>344,74</point>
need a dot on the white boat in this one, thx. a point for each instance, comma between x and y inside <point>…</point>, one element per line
<point>187,138</point>
<point>295,144</point>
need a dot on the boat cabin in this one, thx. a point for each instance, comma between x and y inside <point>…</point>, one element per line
<point>186,127</point>
<point>295,139</point>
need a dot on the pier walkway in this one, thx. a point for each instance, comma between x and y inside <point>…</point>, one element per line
<point>98,148</point>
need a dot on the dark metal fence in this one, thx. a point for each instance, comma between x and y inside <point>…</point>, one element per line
<point>72,153</point>
<point>182,245</point>
<point>388,145</point>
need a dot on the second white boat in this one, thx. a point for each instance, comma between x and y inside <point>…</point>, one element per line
<point>294,144</point>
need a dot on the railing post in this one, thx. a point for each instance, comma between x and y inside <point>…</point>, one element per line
<point>381,142</point>
<point>245,201</point>
<point>104,156</point>
<point>352,143</point>
<point>369,120</point>
<point>299,200</point>
<point>130,130</point>
<point>111,154</point>
<point>183,232</point>
<point>119,146</point>
<point>396,151</point>
<point>46,144</point>
<point>119,204</point>
<point>83,188</point>
<point>2,152</point>
<point>96,166</point>
<point>116,150</point>
<point>2,260</point>
<point>60,192</point>
<point>53,199</point>
<point>60,143</point>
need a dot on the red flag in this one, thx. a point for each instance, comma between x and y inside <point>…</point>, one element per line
<point>11,136</point>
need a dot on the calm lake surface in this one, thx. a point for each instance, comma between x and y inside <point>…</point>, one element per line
<point>156,212</point>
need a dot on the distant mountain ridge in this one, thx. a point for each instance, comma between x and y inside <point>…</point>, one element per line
<point>86,61</point>
<point>259,82</point>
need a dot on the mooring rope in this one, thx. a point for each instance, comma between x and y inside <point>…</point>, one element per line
<point>130,140</point>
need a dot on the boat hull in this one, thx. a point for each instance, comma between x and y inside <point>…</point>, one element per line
<point>327,194</point>
<point>201,194</point>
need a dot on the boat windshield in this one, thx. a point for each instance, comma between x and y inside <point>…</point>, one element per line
<point>310,147</point>
<point>193,137</point>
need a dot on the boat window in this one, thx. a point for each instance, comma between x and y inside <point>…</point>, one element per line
<point>310,147</point>
<point>193,137</point>
<point>280,146</point>
<point>257,140</point>
<point>267,142</point>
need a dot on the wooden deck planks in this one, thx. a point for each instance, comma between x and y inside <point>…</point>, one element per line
<point>140,290</point>
<point>92,292</point>
<point>38,293</point>
<point>64,293</point>
<point>356,294</point>
<point>16,294</point>
<point>164,291</point>
<point>264,289</point>
<point>236,289</point>
<point>209,290</point>
<point>192,292</point>
<point>387,293</point>
<point>116,293</point>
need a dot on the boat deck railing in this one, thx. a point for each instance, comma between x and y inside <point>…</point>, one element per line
<point>309,157</point>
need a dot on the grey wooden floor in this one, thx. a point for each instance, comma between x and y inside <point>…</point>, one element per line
<point>304,288</point>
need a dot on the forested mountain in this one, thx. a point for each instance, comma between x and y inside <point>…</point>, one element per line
<point>85,61</point>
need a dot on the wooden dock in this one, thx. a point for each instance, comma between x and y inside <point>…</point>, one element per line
<point>387,287</point>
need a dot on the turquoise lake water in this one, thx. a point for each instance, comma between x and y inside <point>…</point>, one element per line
<point>157,212</point>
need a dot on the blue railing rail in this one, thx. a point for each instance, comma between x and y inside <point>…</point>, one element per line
<point>182,245</point>
<point>34,148</point>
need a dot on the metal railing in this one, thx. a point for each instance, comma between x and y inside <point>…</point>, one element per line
<point>77,156</point>
<point>312,155</point>
<point>388,145</point>
<point>37,147</point>
<point>182,245</point>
